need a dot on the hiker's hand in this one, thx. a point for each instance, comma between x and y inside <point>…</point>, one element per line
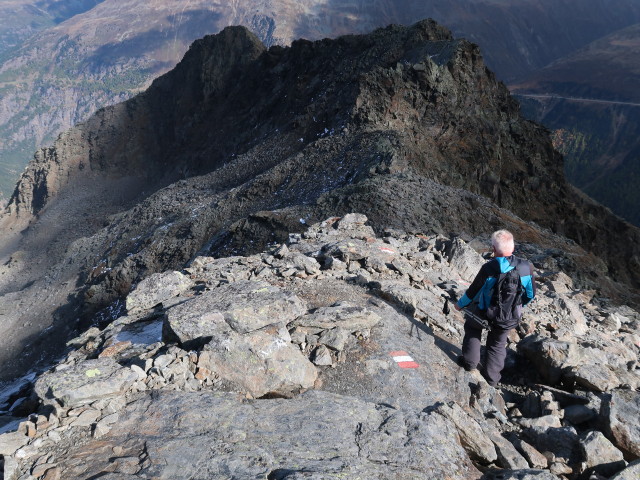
<point>455,305</point>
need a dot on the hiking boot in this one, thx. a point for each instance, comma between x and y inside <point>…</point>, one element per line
<point>463,363</point>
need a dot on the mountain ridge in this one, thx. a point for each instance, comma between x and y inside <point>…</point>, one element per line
<point>404,116</point>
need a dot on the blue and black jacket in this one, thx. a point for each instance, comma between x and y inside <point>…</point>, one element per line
<point>481,288</point>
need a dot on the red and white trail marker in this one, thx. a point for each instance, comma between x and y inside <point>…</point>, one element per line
<point>403,360</point>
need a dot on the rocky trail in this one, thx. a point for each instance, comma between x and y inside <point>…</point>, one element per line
<point>328,356</point>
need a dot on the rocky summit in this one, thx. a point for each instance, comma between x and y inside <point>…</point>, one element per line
<point>329,356</point>
<point>187,293</point>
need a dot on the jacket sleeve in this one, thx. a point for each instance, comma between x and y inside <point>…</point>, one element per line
<point>475,286</point>
<point>529,284</point>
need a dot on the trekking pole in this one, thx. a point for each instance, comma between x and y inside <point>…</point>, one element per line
<point>479,321</point>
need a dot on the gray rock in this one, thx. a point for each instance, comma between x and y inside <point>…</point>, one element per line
<point>263,361</point>
<point>11,468</point>
<point>563,442</point>
<point>528,474</point>
<point>632,472</point>
<point>532,455</point>
<point>242,306</point>
<point>336,338</point>
<point>621,413</point>
<point>157,288</point>
<point>350,318</point>
<point>472,437</point>
<point>508,455</point>
<point>12,441</point>
<point>85,382</point>
<point>322,356</point>
<point>550,356</point>
<point>598,378</point>
<point>465,259</point>
<point>600,455</point>
<point>316,435</point>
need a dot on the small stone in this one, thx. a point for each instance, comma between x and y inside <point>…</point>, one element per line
<point>54,436</point>
<point>322,356</point>
<point>559,468</point>
<point>86,418</point>
<point>41,469</point>
<point>114,349</point>
<point>139,371</point>
<point>52,474</point>
<point>100,429</point>
<point>336,338</point>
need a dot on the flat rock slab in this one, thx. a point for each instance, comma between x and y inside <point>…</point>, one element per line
<point>208,435</point>
<point>348,317</point>
<point>240,306</point>
<point>85,382</point>
<point>260,362</point>
<point>157,288</point>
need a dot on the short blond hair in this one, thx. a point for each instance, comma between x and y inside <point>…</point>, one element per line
<point>502,241</point>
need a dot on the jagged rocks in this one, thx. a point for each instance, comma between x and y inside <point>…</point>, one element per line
<point>622,411</point>
<point>242,306</point>
<point>85,382</point>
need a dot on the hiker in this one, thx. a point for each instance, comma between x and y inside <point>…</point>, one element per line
<point>501,307</point>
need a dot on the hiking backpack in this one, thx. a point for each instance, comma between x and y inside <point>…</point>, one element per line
<point>505,307</point>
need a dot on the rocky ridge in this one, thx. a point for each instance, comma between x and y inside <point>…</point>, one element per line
<point>284,365</point>
<point>405,124</point>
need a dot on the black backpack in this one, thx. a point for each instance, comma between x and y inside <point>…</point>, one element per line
<point>505,308</point>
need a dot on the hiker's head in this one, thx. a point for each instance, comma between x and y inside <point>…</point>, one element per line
<point>502,242</point>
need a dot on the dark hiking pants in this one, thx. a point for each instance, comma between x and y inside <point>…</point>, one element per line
<point>496,350</point>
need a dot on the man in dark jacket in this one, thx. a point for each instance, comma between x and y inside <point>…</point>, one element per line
<point>477,299</point>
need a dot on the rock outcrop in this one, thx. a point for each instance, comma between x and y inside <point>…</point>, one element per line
<point>314,359</point>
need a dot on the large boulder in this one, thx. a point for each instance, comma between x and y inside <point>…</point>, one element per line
<point>85,382</point>
<point>600,455</point>
<point>260,362</point>
<point>240,306</point>
<point>622,411</point>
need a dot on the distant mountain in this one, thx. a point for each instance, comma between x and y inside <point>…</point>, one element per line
<point>591,101</point>
<point>111,50</point>
<point>21,19</point>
